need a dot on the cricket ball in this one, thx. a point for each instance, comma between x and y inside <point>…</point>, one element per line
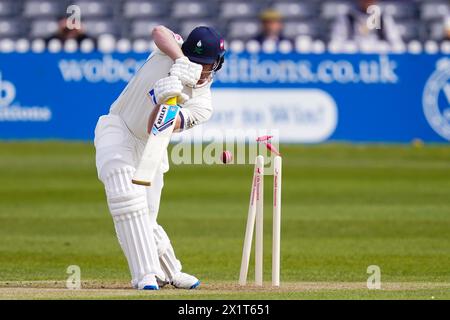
<point>226,157</point>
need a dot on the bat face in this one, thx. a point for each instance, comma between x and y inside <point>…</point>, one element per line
<point>156,146</point>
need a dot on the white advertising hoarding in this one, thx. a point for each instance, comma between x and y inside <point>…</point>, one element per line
<point>298,115</point>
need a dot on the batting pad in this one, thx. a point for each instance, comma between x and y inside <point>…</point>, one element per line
<point>128,206</point>
<point>169,263</point>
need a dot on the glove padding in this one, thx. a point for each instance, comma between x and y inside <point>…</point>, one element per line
<point>188,72</point>
<point>169,87</point>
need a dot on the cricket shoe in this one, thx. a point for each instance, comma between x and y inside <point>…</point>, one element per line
<point>162,283</point>
<point>148,282</point>
<point>184,281</point>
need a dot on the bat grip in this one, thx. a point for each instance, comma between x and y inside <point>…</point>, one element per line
<point>171,101</point>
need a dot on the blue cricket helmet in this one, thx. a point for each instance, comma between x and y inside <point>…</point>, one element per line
<point>205,45</point>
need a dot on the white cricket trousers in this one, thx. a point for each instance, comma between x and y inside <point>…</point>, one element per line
<point>134,208</point>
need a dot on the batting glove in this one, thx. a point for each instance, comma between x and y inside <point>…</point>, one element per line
<point>188,72</point>
<point>169,87</point>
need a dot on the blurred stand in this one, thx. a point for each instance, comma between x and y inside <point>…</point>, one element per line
<point>305,26</point>
<point>271,28</point>
<point>447,29</point>
<point>64,34</point>
<point>353,26</point>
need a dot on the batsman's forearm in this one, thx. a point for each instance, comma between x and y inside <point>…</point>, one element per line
<point>165,41</point>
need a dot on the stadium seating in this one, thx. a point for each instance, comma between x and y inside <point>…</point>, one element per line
<point>239,9</point>
<point>435,30</point>
<point>409,29</point>
<point>43,9</point>
<point>95,8</point>
<point>187,25</point>
<point>137,9</point>
<point>399,9</point>
<point>331,9</point>
<point>192,9</point>
<point>244,29</point>
<point>43,28</point>
<point>10,28</point>
<point>312,28</point>
<point>432,10</point>
<point>140,29</point>
<point>8,9</point>
<point>97,27</point>
<point>235,19</point>
<point>297,10</point>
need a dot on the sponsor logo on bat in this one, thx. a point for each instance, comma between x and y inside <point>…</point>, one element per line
<point>166,118</point>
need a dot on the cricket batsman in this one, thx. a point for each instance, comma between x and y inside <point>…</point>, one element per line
<point>175,69</point>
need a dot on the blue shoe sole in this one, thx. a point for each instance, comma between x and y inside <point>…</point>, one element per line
<point>150,288</point>
<point>195,285</point>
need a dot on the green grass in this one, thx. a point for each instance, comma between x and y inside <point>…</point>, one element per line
<point>344,208</point>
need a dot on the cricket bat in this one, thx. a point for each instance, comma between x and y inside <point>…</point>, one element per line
<point>157,143</point>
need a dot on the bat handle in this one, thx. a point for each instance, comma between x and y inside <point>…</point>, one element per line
<point>172,101</point>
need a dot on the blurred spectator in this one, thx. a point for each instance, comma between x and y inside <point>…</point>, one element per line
<point>272,26</point>
<point>353,26</point>
<point>65,33</point>
<point>447,29</point>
